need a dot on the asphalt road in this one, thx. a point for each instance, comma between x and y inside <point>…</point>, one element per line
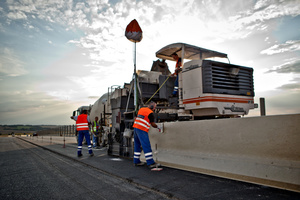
<point>44,168</point>
<point>30,172</point>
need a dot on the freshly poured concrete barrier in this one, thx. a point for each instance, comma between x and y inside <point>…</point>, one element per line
<point>263,150</point>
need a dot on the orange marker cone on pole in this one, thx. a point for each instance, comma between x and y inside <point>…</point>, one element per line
<point>134,34</point>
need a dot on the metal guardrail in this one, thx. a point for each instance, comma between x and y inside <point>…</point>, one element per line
<point>68,130</point>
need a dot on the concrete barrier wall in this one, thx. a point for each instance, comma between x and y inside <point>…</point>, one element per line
<point>263,150</point>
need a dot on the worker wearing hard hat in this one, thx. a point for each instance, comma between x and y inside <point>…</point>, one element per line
<point>82,125</point>
<point>141,126</point>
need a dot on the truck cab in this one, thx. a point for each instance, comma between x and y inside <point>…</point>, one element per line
<point>80,109</point>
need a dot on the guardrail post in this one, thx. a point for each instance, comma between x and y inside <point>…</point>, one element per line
<point>262,106</point>
<point>73,130</point>
<point>64,141</point>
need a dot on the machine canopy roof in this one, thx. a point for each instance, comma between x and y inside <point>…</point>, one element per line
<point>190,52</point>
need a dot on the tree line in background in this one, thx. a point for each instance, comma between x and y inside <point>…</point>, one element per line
<point>22,127</point>
<point>9,129</point>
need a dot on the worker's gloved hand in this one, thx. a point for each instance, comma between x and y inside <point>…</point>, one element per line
<point>160,128</point>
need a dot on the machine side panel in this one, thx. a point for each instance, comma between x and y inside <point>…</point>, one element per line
<point>191,80</point>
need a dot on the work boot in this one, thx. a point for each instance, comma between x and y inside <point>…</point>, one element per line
<point>79,155</point>
<point>154,165</point>
<point>92,154</point>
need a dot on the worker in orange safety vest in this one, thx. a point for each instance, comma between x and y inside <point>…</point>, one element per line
<point>177,70</point>
<point>142,123</point>
<point>82,125</point>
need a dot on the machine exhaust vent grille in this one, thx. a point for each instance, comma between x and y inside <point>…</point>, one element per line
<point>222,78</point>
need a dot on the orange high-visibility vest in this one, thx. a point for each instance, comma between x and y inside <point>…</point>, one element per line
<point>142,121</point>
<point>177,67</point>
<point>82,123</point>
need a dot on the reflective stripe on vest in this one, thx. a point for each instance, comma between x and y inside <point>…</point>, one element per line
<point>142,121</point>
<point>95,126</point>
<point>82,123</point>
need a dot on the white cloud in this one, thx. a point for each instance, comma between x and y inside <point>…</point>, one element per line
<point>262,3</point>
<point>291,86</point>
<point>49,28</point>
<point>256,18</point>
<point>16,15</point>
<point>207,20</point>
<point>43,109</point>
<point>10,64</point>
<point>292,66</point>
<point>288,46</point>
<point>161,22</point>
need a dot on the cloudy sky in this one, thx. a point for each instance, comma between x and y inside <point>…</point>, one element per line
<point>56,55</point>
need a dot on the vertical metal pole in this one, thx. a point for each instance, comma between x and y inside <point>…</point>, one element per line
<point>64,140</point>
<point>135,80</point>
<point>262,106</point>
<point>73,130</point>
<point>104,115</point>
<point>180,97</point>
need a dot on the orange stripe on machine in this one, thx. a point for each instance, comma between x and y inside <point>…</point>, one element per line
<point>217,99</point>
